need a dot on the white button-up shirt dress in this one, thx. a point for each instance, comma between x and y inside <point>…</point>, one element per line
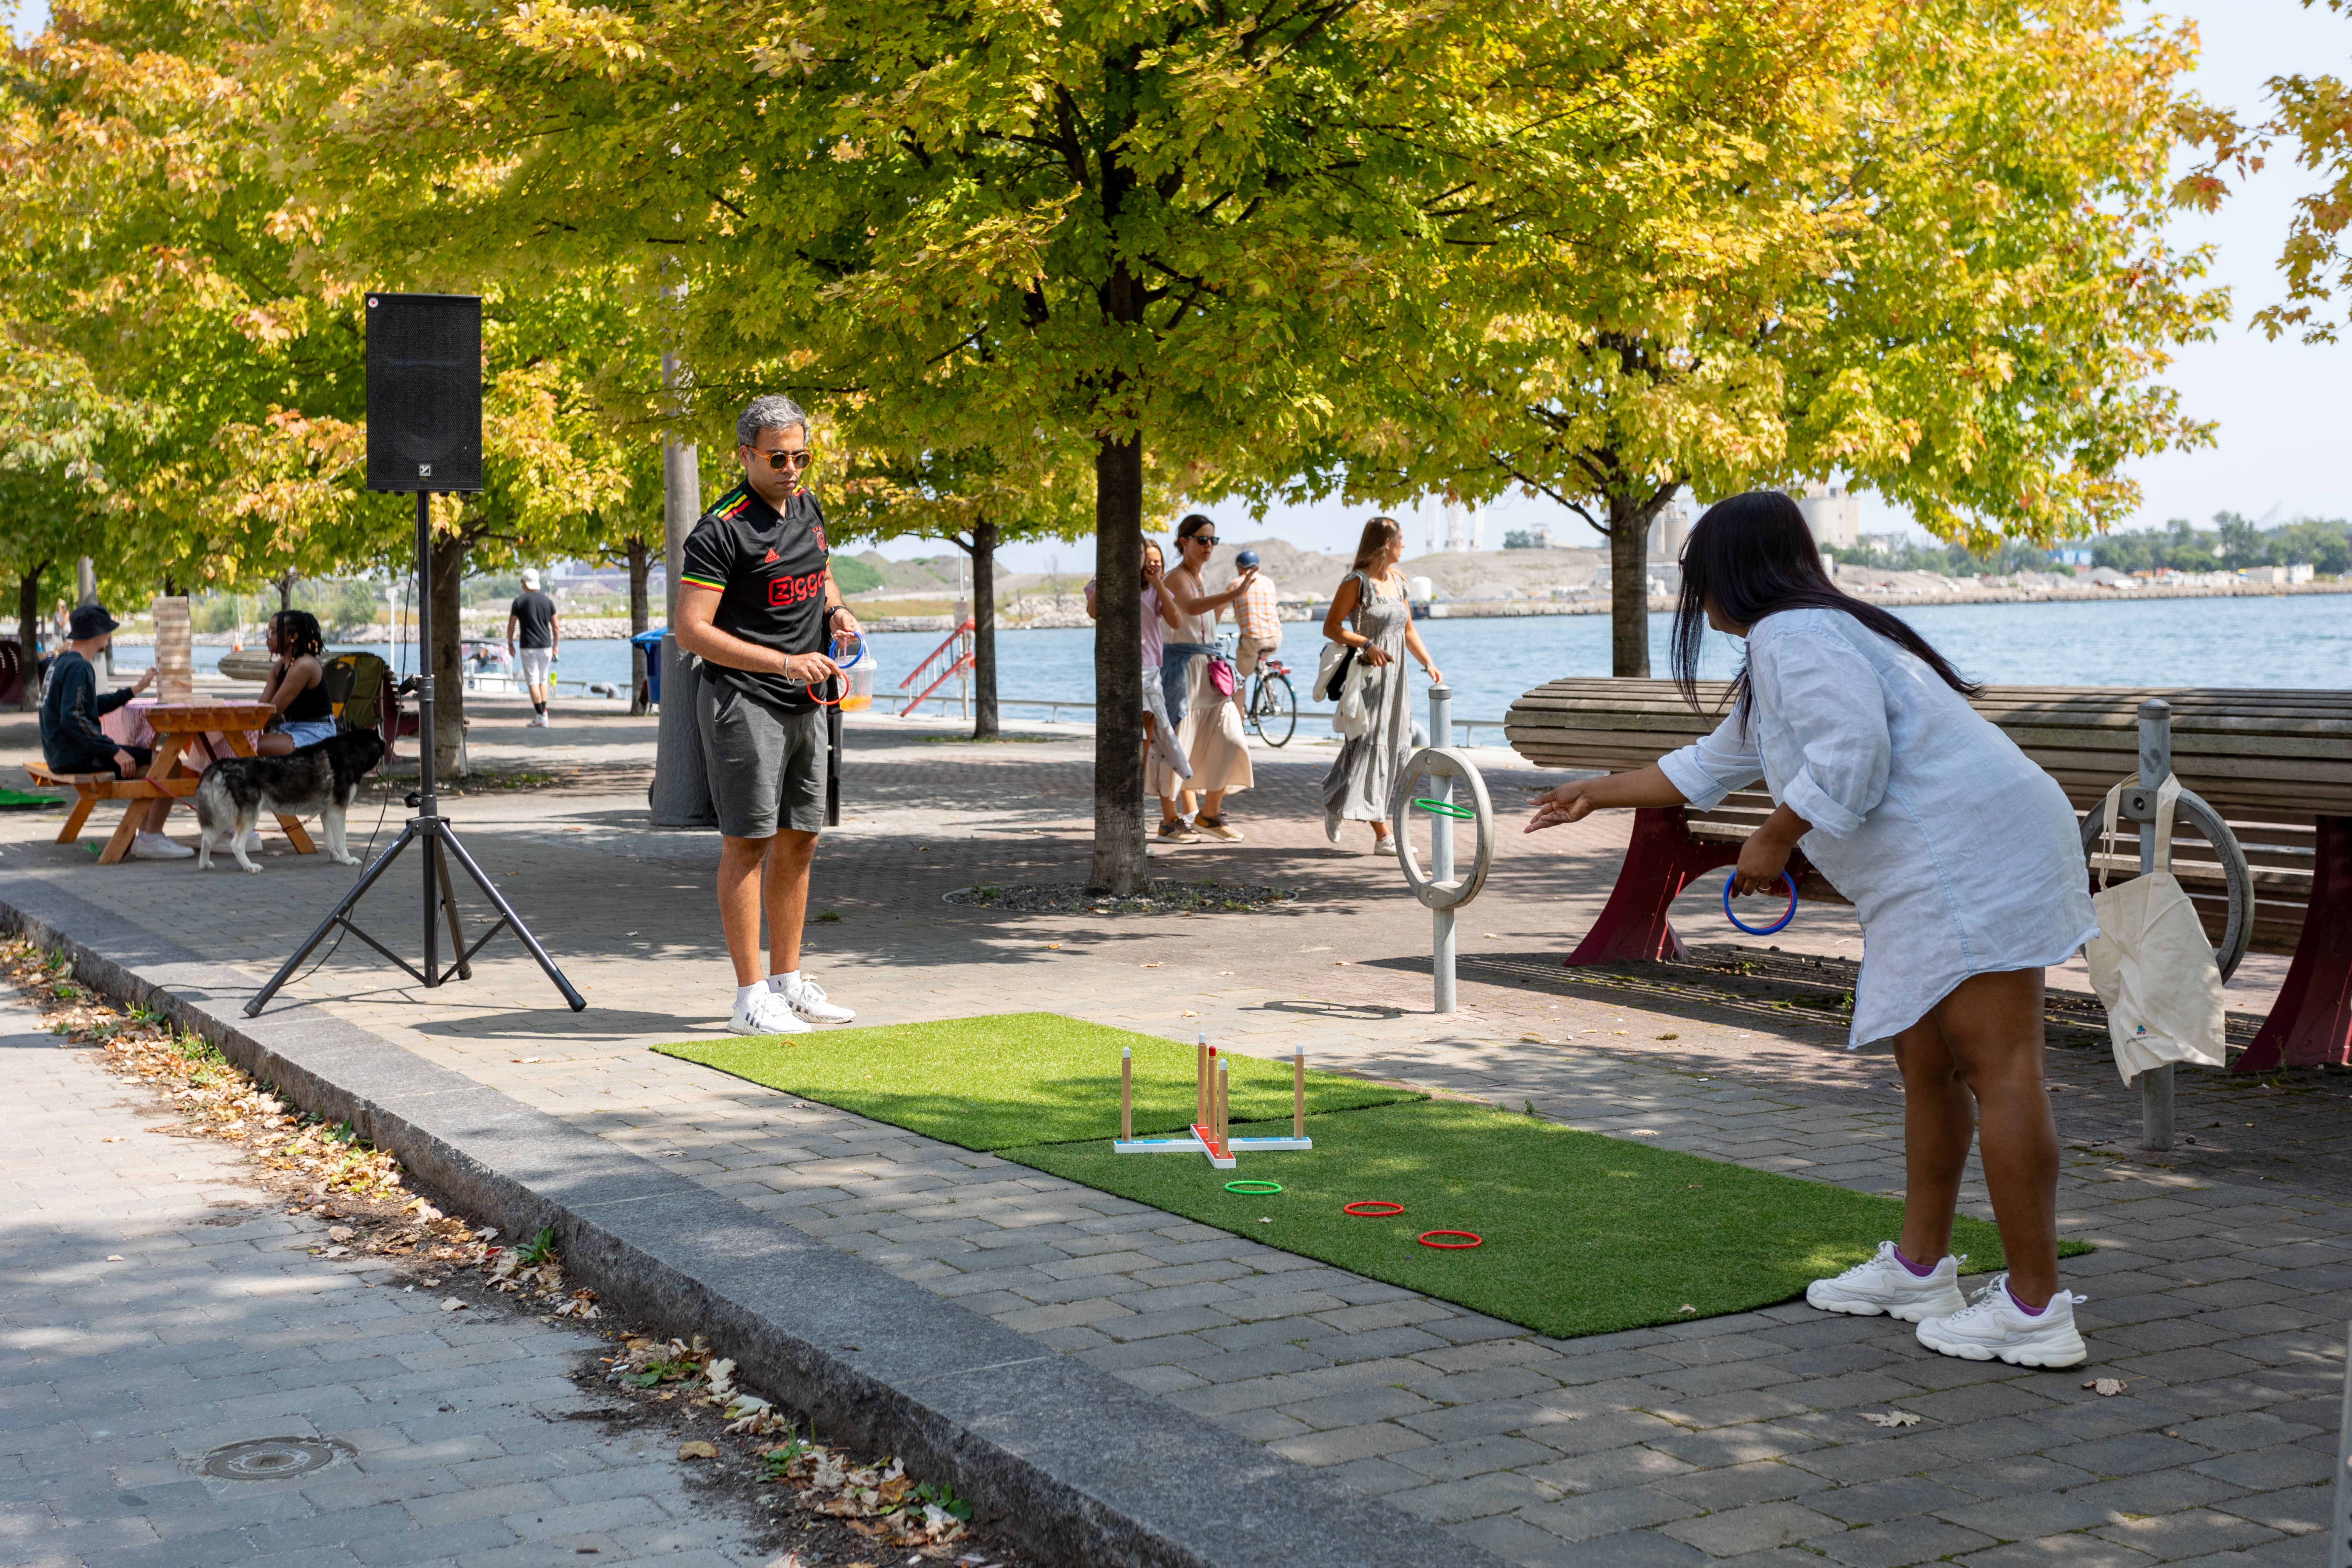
<point>1960,855</point>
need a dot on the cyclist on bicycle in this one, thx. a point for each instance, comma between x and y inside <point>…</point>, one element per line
<point>1261,627</point>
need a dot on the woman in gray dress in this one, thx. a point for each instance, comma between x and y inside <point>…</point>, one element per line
<point>1371,614</point>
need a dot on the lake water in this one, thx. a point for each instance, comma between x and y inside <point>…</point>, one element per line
<point>2302,640</point>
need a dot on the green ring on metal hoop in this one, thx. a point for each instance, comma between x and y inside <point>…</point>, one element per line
<point>1445,808</point>
<point>1254,1188</point>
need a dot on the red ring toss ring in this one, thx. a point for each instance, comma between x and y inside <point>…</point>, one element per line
<point>1372,1208</point>
<point>1476,1240</point>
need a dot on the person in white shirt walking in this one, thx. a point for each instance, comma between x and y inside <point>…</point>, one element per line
<point>533,615</point>
<point>1964,864</point>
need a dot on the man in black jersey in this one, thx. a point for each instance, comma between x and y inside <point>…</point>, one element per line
<point>757,604</point>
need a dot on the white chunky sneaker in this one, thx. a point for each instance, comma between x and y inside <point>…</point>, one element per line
<point>807,999</point>
<point>147,846</point>
<point>764,1012</point>
<point>1993,1324</point>
<point>1884,1285</point>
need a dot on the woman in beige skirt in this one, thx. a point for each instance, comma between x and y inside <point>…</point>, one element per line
<point>1211,733</point>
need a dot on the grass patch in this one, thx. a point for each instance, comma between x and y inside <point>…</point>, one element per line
<point>1013,1079</point>
<point>1584,1234</point>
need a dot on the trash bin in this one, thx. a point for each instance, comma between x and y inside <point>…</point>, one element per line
<point>651,641</point>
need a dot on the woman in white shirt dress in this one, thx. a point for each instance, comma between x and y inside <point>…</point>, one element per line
<point>1965,865</point>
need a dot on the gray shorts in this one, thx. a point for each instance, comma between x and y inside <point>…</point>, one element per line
<point>767,768</point>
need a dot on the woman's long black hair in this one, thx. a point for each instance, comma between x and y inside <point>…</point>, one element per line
<point>1753,556</point>
<point>298,633</point>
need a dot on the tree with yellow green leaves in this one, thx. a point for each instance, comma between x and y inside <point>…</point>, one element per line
<point>1157,227</point>
<point>1941,268</point>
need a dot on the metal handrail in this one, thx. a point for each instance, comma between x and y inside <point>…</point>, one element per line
<point>1054,706</point>
<point>954,636</point>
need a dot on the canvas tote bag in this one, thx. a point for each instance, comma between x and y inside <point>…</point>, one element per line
<point>2150,962</point>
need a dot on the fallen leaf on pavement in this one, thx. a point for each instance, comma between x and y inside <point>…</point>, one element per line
<point>1188,1013</point>
<point>698,1450</point>
<point>1892,1418</point>
<point>2105,1387</point>
<point>339,1233</point>
<point>451,1304</point>
<point>117,1258</point>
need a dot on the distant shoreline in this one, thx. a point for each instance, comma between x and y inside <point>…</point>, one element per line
<point>605,629</point>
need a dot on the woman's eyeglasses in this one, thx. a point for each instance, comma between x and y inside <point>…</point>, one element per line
<point>796,461</point>
<point>1210,540</point>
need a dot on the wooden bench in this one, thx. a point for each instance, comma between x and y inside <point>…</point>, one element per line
<point>2277,765</point>
<point>90,788</point>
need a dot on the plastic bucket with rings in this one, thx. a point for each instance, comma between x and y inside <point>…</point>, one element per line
<point>849,650</point>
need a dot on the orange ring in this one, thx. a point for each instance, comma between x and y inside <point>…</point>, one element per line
<point>1476,1240</point>
<point>1373,1208</point>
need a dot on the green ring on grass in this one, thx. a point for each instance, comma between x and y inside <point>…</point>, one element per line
<point>1445,808</point>
<point>1254,1188</point>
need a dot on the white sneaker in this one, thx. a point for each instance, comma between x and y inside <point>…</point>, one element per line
<point>155,847</point>
<point>807,999</point>
<point>1884,1285</point>
<point>764,1012</point>
<point>1993,1324</point>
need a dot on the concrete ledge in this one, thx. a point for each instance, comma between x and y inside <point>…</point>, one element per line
<point>1077,1466</point>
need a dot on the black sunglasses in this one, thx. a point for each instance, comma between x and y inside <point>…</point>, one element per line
<point>1208,539</point>
<point>780,461</point>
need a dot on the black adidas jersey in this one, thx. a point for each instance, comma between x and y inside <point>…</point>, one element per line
<point>769,572</point>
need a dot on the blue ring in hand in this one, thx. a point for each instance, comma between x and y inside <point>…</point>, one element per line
<point>1728,882</point>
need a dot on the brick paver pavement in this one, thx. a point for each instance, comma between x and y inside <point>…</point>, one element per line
<point>2219,1302</point>
<point>155,1306</point>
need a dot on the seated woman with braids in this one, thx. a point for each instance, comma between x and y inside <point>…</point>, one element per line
<point>297,685</point>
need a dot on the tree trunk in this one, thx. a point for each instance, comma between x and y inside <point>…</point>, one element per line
<point>28,640</point>
<point>984,629</point>
<point>1629,581</point>
<point>640,621</point>
<point>448,577</point>
<point>286,581</point>
<point>1121,865</point>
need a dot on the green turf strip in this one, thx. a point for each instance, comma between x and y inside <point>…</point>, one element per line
<point>1013,1079</point>
<point>1584,1233</point>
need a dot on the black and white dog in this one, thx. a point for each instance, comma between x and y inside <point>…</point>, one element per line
<point>322,778</point>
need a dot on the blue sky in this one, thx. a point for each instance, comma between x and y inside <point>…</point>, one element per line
<point>2281,451</point>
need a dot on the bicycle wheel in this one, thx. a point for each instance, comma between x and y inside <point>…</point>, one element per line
<point>1273,713</point>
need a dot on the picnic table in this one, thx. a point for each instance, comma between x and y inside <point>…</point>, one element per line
<point>186,736</point>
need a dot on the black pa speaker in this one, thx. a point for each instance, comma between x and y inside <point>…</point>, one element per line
<point>423,392</point>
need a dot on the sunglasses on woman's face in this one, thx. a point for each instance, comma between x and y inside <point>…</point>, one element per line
<point>1210,540</point>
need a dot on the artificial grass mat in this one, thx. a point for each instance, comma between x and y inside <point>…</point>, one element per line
<point>1013,1079</point>
<point>1584,1233</point>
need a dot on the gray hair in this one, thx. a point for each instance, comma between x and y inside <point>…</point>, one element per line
<point>771,413</point>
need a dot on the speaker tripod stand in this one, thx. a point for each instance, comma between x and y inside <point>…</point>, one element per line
<point>436,840</point>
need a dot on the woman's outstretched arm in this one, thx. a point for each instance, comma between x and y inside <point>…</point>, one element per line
<point>1579,798</point>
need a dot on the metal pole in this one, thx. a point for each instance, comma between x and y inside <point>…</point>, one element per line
<point>427,808</point>
<point>1440,849</point>
<point>2155,767</point>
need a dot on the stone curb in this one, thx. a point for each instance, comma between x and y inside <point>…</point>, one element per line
<point>1077,1466</point>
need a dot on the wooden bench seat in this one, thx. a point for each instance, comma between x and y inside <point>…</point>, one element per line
<point>2277,766</point>
<point>90,788</point>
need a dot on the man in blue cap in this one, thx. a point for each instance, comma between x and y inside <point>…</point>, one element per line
<point>71,741</point>
<point>1261,628</point>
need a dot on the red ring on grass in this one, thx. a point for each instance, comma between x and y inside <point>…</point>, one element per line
<point>1372,1208</point>
<point>1476,1240</point>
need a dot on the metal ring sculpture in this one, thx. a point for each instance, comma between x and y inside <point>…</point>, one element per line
<point>1444,762</point>
<point>2240,931</point>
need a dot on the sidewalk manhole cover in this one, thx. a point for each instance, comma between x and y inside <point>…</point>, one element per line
<point>267,1458</point>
